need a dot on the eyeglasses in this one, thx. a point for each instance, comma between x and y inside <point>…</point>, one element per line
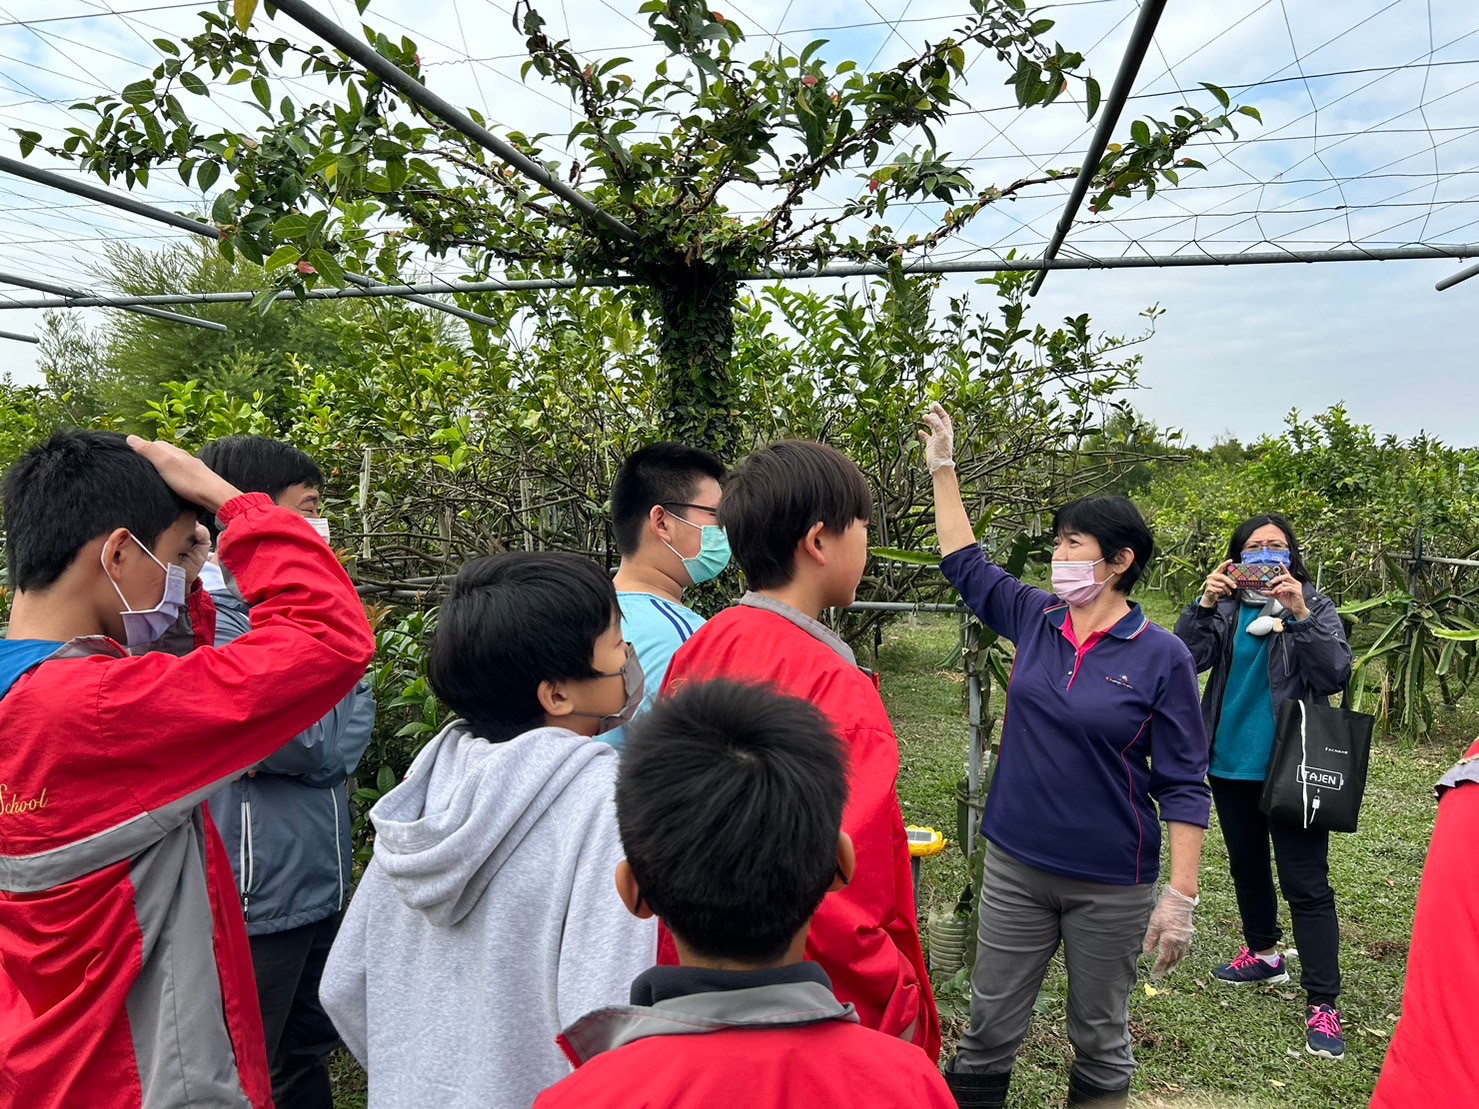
<point>1275,545</point>
<point>714,510</point>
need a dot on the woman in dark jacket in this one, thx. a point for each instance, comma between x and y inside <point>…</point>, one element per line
<point>1264,647</point>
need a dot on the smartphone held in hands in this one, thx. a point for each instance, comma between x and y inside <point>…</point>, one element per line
<point>1257,576</point>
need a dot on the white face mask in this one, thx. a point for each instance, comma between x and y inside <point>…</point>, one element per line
<point>320,525</point>
<point>142,627</point>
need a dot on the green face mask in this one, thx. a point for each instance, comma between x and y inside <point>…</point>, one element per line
<point>713,552</point>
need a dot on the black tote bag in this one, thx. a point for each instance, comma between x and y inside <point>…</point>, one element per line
<point>1317,775</point>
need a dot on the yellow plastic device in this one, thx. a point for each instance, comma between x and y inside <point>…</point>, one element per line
<point>924,842</point>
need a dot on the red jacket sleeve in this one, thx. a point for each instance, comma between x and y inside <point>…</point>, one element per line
<point>865,936</point>
<point>1432,1059</point>
<point>171,726</point>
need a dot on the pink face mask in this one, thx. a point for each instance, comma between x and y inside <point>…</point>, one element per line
<point>1075,582</point>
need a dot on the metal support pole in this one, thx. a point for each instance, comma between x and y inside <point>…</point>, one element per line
<point>126,203</point>
<point>19,338</point>
<point>121,201</point>
<point>978,728</point>
<point>494,285</point>
<point>1140,37</point>
<point>67,291</point>
<point>1454,278</point>
<point>418,93</point>
<point>364,282</point>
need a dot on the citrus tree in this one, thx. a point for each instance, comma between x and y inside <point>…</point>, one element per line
<point>359,176</point>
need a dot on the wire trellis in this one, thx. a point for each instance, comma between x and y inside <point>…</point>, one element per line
<point>1371,123</point>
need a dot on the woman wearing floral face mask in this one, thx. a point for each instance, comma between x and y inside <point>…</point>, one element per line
<point>1267,645</point>
<point>1102,741</point>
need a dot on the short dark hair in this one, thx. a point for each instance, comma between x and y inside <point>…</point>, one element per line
<point>510,622</point>
<point>729,801</point>
<point>1245,530</point>
<point>778,494</point>
<point>256,464</point>
<point>78,485</point>
<point>661,473</point>
<point>1117,525</point>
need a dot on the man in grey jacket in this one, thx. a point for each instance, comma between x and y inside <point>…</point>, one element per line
<point>286,822</point>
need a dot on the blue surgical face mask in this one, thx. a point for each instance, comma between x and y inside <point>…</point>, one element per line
<point>143,627</point>
<point>1265,557</point>
<point>713,552</point>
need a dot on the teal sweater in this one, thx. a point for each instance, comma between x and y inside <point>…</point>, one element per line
<point>1244,740</point>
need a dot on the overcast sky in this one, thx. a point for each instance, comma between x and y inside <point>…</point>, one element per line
<point>1388,156</point>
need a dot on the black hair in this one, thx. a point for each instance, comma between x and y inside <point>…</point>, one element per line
<point>729,801</point>
<point>76,486</point>
<point>510,622</point>
<point>256,464</point>
<point>662,473</point>
<point>778,494</point>
<point>1117,525</point>
<point>1245,530</point>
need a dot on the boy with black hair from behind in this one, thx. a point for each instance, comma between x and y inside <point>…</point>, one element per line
<point>797,514</point>
<point>286,822</point>
<point>125,976</point>
<point>730,802</point>
<point>486,920</point>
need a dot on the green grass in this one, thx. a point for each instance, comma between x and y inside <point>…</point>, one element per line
<point>1198,1044</point>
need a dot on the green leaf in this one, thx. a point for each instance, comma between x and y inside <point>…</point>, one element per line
<point>282,256</point>
<point>262,92</point>
<point>1222,97</point>
<point>291,227</point>
<point>1140,132</point>
<point>194,84</point>
<point>223,209</point>
<point>327,265</point>
<point>167,46</point>
<point>1093,95</point>
<point>1251,112</point>
<point>908,558</point>
<point>244,10</point>
<point>385,778</point>
<point>140,92</point>
<point>209,173</point>
<point>1456,635</point>
<point>241,76</point>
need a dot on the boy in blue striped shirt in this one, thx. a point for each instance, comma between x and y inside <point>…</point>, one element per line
<point>665,518</point>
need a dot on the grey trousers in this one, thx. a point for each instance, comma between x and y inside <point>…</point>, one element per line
<point>1025,914</point>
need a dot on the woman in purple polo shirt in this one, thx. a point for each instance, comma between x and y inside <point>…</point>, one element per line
<point>1102,741</point>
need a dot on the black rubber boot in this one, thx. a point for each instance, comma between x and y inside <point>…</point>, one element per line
<point>977,1091</point>
<point>1083,1094</point>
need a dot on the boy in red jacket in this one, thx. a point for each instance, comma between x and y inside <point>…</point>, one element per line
<point>797,519</point>
<point>729,801</point>
<point>1432,1060</point>
<point>125,976</point>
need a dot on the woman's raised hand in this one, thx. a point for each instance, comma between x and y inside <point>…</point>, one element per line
<point>1219,585</point>
<point>1290,593</point>
<point>938,438</point>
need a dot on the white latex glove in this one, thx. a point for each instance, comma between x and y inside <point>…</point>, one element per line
<point>1170,930</point>
<point>939,439</point>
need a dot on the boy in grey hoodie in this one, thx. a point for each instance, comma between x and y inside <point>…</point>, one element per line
<point>486,920</point>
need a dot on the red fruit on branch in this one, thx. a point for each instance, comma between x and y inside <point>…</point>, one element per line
<point>808,80</point>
